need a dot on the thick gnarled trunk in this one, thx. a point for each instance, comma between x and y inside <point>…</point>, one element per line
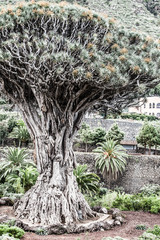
<point>55,199</point>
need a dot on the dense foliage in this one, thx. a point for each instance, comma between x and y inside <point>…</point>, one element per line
<point>90,136</point>
<point>20,132</point>
<point>87,182</point>
<point>148,200</point>
<point>115,134</point>
<point>149,136</point>
<point>14,232</point>
<point>12,127</point>
<point>17,173</point>
<point>128,202</point>
<point>133,116</point>
<point>151,234</point>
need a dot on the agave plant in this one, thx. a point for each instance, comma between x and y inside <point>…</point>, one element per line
<point>111,159</point>
<point>87,182</point>
<point>15,160</point>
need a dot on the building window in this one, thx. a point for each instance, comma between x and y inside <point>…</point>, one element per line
<point>153,114</point>
<point>149,113</point>
<point>150,105</point>
<point>144,105</point>
<point>158,114</point>
<point>153,105</point>
<point>158,105</point>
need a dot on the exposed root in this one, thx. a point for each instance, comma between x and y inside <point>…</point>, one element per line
<point>48,205</point>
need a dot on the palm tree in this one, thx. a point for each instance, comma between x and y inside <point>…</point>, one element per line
<point>87,182</point>
<point>15,160</point>
<point>111,159</point>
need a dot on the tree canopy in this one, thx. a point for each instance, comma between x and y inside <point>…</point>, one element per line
<point>56,61</point>
<point>44,43</point>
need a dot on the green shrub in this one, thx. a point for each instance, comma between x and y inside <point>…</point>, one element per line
<point>137,116</point>
<point>3,116</point>
<point>108,199</point>
<point>98,135</point>
<point>11,231</point>
<point>128,202</point>
<point>93,201</point>
<point>151,234</point>
<point>87,182</point>
<point>6,188</point>
<point>155,230</point>
<point>150,189</point>
<point>41,232</point>
<point>115,134</point>
<point>91,136</point>
<point>102,201</point>
<point>2,101</point>
<point>148,236</point>
<point>141,227</point>
<point>7,237</point>
<point>12,123</point>
<point>3,131</point>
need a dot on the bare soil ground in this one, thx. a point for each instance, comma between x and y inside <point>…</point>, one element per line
<point>127,230</point>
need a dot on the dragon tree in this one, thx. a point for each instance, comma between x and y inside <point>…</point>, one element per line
<point>57,61</point>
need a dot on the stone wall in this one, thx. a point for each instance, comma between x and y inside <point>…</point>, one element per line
<point>129,127</point>
<point>140,170</point>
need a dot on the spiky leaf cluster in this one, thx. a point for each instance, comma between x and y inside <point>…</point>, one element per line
<point>46,45</point>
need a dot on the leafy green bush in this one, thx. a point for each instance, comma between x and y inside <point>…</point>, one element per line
<point>133,116</point>
<point>141,227</point>
<point>3,131</point>
<point>115,133</point>
<point>6,188</point>
<point>148,236</point>
<point>25,179</point>
<point>15,159</point>
<point>2,101</point>
<point>151,234</point>
<point>87,182</point>
<point>21,133</point>
<point>128,202</point>
<point>7,237</point>
<point>17,174</point>
<point>155,230</point>
<point>11,231</point>
<point>12,123</point>
<point>137,116</point>
<point>98,135</point>
<point>102,201</point>
<point>150,189</point>
<point>41,232</point>
<point>91,136</point>
<point>3,116</point>
<point>108,199</point>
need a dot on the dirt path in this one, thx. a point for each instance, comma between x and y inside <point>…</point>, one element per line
<point>127,230</point>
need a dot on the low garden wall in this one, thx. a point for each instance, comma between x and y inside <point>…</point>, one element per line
<point>140,170</point>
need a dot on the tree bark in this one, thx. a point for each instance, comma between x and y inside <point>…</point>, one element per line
<point>55,199</point>
<point>149,150</point>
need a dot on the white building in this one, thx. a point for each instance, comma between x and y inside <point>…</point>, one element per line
<point>150,107</point>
